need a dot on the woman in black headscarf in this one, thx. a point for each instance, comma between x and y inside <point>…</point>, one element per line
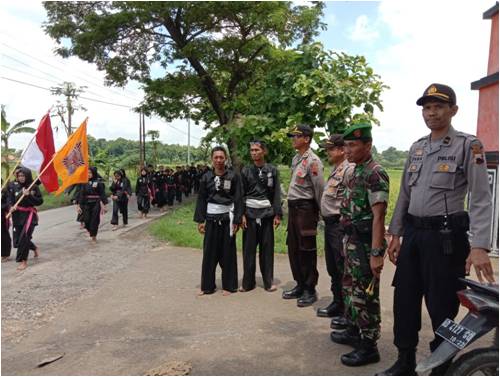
<point>142,193</point>
<point>91,202</point>
<point>120,193</point>
<point>24,214</point>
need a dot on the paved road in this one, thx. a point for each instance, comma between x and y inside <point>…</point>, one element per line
<point>129,304</point>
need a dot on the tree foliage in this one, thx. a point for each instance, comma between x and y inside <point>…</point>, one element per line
<point>7,131</point>
<point>244,69</point>
<point>210,52</point>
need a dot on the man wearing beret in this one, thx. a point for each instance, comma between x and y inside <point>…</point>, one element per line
<point>331,201</point>
<point>436,251</point>
<point>304,200</point>
<point>363,213</point>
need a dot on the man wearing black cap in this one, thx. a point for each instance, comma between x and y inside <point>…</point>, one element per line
<point>436,250</point>
<point>304,200</point>
<point>331,202</point>
<point>262,212</point>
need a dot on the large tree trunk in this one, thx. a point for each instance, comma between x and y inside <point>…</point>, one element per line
<point>236,161</point>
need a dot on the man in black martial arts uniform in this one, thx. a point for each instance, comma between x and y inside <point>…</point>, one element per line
<point>262,212</point>
<point>218,214</point>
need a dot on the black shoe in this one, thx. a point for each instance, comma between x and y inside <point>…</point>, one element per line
<point>404,366</point>
<point>307,299</point>
<point>350,337</point>
<point>339,323</point>
<point>365,353</point>
<point>332,310</point>
<point>293,293</point>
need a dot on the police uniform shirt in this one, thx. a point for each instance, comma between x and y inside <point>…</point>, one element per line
<point>453,166</point>
<point>224,190</point>
<point>334,190</point>
<point>307,177</point>
<point>261,183</point>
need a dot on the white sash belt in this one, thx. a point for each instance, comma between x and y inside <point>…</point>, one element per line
<point>220,209</point>
<point>258,204</point>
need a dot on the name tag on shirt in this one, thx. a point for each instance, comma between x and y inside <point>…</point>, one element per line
<point>227,184</point>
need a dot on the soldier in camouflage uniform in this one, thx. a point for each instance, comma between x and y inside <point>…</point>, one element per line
<point>363,213</point>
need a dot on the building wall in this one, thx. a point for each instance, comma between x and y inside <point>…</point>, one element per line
<point>493,58</point>
<point>487,120</point>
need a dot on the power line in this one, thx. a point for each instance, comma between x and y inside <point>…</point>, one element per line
<point>41,87</point>
<point>43,78</point>
<point>94,100</point>
<point>84,79</point>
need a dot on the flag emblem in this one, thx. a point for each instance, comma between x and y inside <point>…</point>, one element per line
<point>74,159</point>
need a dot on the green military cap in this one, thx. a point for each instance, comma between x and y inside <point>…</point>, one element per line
<point>358,131</point>
<point>301,130</point>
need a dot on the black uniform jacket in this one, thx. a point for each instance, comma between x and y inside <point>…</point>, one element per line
<point>225,190</point>
<point>261,183</point>
<point>95,189</point>
<point>15,191</point>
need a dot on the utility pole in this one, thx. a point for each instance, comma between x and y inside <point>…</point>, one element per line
<point>71,92</point>
<point>143,137</point>
<point>141,160</point>
<point>189,140</point>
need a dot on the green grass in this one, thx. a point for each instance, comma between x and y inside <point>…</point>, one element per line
<point>179,229</point>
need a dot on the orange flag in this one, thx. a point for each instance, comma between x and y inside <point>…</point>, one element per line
<point>72,160</point>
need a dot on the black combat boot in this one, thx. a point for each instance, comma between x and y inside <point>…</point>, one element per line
<point>339,323</point>
<point>335,308</point>
<point>350,336</point>
<point>404,366</point>
<point>307,299</point>
<point>293,293</point>
<point>365,353</point>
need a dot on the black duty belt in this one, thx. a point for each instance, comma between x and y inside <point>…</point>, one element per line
<point>334,219</point>
<point>302,203</point>
<point>360,227</point>
<point>455,220</point>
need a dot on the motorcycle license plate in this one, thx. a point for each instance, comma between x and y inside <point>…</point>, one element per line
<point>455,333</point>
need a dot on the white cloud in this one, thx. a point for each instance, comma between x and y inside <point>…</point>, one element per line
<point>28,54</point>
<point>439,41</point>
<point>363,30</point>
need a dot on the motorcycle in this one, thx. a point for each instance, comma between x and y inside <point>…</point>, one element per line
<point>482,302</point>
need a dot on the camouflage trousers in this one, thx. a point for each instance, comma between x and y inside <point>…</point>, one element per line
<point>362,309</point>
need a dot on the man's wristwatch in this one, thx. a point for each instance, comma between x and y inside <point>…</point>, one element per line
<point>377,252</point>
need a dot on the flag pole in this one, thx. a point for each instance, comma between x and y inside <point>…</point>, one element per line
<point>24,151</point>
<point>30,187</point>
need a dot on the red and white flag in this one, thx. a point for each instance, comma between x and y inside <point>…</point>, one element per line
<point>40,152</point>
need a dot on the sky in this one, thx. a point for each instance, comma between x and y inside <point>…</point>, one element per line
<point>410,44</point>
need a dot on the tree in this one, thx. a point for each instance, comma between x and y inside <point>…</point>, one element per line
<point>324,89</point>
<point>7,132</point>
<point>154,135</point>
<point>71,92</point>
<point>214,51</point>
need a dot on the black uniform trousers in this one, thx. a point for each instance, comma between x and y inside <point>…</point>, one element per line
<point>6,240</point>
<point>92,217</point>
<point>22,241</point>
<point>160,197</point>
<point>301,241</point>
<point>143,203</point>
<point>178,195</point>
<point>219,248</point>
<point>122,207</point>
<point>424,271</point>
<point>334,255</point>
<point>262,236</point>
<point>170,195</point>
